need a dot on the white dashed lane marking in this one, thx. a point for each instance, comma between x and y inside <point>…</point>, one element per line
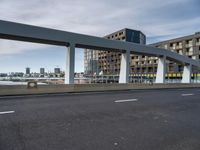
<point>6,112</point>
<point>189,94</point>
<point>126,100</point>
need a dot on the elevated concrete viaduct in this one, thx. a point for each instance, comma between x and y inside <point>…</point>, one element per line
<point>35,34</point>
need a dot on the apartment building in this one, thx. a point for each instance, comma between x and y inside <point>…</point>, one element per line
<point>187,45</point>
<point>108,62</point>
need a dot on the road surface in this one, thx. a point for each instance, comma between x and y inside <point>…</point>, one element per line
<point>121,120</point>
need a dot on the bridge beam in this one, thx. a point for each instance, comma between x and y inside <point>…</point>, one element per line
<point>187,71</point>
<point>161,70</point>
<point>124,67</point>
<point>70,64</point>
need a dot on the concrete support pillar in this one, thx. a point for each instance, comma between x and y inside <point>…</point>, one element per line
<point>70,64</point>
<point>187,70</point>
<point>124,67</point>
<point>161,70</point>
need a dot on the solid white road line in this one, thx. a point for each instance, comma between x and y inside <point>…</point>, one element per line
<point>126,100</point>
<point>190,94</point>
<point>6,112</point>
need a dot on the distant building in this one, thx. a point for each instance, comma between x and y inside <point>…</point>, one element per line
<point>16,74</point>
<point>90,62</point>
<point>28,70</point>
<point>42,71</point>
<point>3,74</point>
<point>57,70</point>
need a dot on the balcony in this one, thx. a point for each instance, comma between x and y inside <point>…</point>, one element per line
<point>180,52</point>
<point>179,47</point>
<point>189,53</point>
<point>188,45</point>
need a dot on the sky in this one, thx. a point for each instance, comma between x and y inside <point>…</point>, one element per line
<point>158,19</point>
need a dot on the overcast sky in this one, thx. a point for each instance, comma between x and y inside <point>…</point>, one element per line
<point>158,19</point>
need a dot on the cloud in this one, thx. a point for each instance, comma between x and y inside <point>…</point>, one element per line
<point>8,47</point>
<point>155,18</point>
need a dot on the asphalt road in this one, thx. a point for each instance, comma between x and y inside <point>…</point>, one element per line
<point>122,120</point>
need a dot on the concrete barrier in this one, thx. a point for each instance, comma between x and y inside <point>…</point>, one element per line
<point>45,89</point>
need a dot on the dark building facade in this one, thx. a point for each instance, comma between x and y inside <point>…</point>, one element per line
<point>135,36</point>
<point>42,71</point>
<point>57,70</point>
<point>128,35</point>
<point>28,70</point>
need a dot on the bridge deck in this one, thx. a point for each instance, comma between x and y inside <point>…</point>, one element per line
<point>29,33</point>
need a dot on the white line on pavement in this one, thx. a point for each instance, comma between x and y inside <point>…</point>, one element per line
<point>126,100</point>
<point>6,112</point>
<point>190,94</point>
